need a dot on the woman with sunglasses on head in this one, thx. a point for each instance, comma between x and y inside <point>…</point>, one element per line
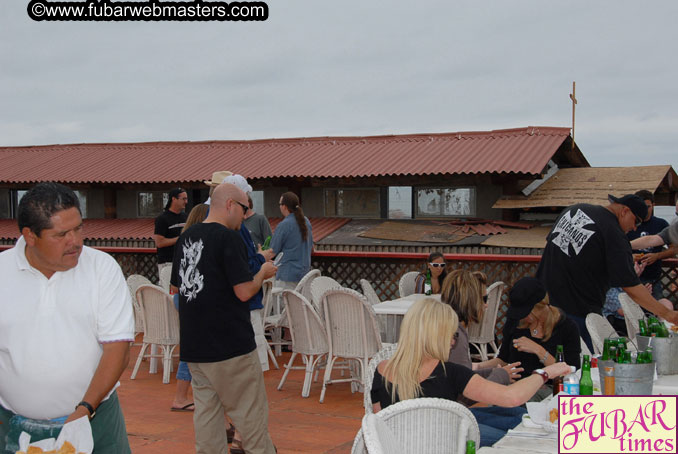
<point>294,238</point>
<point>436,267</point>
<point>466,292</point>
<point>419,367</point>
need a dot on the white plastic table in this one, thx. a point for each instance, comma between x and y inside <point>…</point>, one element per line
<point>391,313</point>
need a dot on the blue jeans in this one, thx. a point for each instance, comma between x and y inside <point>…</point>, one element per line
<point>183,373</point>
<point>494,422</point>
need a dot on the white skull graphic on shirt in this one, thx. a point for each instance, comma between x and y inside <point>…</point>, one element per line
<point>571,231</point>
<point>192,282</point>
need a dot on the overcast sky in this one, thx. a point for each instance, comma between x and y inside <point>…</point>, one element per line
<point>318,68</point>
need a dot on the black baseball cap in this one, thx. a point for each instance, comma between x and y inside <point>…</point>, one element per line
<point>635,204</point>
<point>523,296</point>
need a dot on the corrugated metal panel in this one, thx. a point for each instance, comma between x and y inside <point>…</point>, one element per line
<point>96,229</point>
<point>142,229</point>
<point>321,226</point>
<point>524,150</point>
<point>592,185</point>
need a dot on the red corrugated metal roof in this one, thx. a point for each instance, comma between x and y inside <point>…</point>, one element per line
<point>523,150</point>
<point>142,229</point>
<point>321,226</point>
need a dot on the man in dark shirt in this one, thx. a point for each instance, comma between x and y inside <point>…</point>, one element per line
<point>168,226</point>
<point>212,276</point>
<point>587,252</point>
<point>652,256</point>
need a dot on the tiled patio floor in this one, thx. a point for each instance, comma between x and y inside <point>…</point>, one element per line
<point>296,424</point>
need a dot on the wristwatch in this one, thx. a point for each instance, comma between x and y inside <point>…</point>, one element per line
<point>543,374</point>
<point>89,408</point>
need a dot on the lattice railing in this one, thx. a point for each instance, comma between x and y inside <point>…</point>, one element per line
<point>385,273</point>
<point>384,270</point>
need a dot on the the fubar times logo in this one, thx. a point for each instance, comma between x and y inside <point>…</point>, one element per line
<point>617,424</point>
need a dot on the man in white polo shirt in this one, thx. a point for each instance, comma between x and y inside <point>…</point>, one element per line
<point>66,322</point>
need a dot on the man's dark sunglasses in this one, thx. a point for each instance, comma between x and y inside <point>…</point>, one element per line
<point>244,207</point>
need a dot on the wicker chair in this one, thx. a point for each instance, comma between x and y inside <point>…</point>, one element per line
<point>276,319</point>
<point>369,292</point>
<point>427,426</point>
<point>319,286</point>
<point>304,285</point>
<point>632,313</point>
<point>599,329</point>
<point>385,353</point>
<point>267,288</point>
<point>481,334</point>
<point>164,278</point>
<point>161,326</point>
<point>352,333</point>
<point>133,283</point>
<point>406,285</point>
<point>378,437</point>
<point>309,338</point>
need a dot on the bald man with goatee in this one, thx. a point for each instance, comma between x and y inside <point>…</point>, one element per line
<point>211,274</point>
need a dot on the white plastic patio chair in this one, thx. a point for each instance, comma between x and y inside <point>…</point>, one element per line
<point>584,350</point>
<point>632,313</point>
<point>480,335</point>
<point>164,278</point>
<point>369,292</point>
<point>352,333</point>
<point>427,426</point>
<point>161,327</point>
<point>406,285</point>
<point>378,437</point>
<point>319,286</point>
<point>133,283</point>
<point>385,353</point>
<point>309,338</point>
<point>599,329</point>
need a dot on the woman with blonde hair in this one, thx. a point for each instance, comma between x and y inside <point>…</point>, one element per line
<point>419,366</point>
<point>182,401</point>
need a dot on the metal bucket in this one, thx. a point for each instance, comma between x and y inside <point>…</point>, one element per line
<point>664,352</point>
<point>633,379</point>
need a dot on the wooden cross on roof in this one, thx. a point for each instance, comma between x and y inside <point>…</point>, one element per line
<point>574,103</point>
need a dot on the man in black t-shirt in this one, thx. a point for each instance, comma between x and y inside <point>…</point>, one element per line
<point>168,226</point>
<point>211,274</point>
<point>587,252</point>
<point>652,257</point>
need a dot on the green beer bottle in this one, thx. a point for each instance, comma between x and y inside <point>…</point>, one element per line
<point>427,284</point>
<point>607,343</point>
<point>558,381</point>
<point>642,328</point>
<point>470,447</point>
<point>585,382</point>
<point>267,243</point>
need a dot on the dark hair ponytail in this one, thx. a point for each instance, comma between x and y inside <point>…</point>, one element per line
<point>291,202</point>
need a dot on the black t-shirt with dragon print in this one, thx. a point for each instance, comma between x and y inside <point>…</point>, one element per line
<point>209,260</point>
